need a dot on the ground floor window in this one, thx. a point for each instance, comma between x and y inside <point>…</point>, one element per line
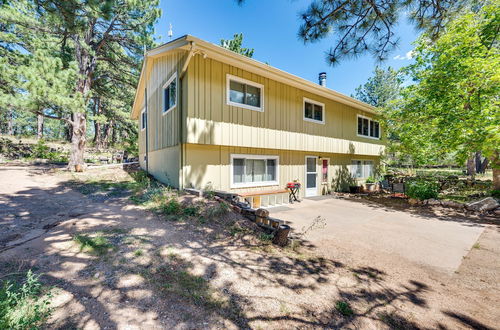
<point>361,169</point>
<point>254,170</point>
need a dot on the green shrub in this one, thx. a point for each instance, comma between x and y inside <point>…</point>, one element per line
<point>217,210</point>
<point>171,207</point>
<point>41,150</point>
<point>422,189</point>
<point>495,193</point>
<point>343,308</point>
<point>191,211</point>
<point>370,179</point>
<point>24,306</point>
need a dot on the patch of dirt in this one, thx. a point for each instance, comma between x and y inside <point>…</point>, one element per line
<point>132,268</point>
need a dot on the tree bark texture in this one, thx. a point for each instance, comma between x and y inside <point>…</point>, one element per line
<point>97,125</point>
<point>471,165</point>
<point>495,165</point>
<point>76,160</point>
<point>10,123</point>
<point>281,236</point>
<point>39,131</point>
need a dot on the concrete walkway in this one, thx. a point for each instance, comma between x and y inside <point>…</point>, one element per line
<point>379,234</point>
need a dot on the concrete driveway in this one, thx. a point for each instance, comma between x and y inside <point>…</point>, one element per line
<point>381,235</point>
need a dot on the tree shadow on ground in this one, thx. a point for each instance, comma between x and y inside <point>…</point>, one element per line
<point>201,279</point>
<point>392,204</point>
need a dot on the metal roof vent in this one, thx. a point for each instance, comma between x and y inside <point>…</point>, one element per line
<point>322,79</point>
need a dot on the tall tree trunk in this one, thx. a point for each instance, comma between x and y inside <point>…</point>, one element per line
<point>495,165</point>
<point>107,134</point>
<point>10,123</point>
<point>114,136</point>
<point>86,67</point>
<point>97,124</point>
<point>68,130</point>
<point>471,165</point>
<point>39,132</point>
<point>76,160</point>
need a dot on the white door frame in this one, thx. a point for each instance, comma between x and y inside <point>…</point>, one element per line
<point>311,191</point>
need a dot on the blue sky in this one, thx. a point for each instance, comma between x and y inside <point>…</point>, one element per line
<point>270,27</point>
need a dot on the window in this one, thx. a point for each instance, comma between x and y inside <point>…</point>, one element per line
<point>314,111</point>
<point>244,93</point>
<point>254,170</point>
<point>361,169</point>
<point>368,127</point>
<point>143,119</point>
<point>170,93</point>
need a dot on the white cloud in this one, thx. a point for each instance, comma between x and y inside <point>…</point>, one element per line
<point>407,56</point>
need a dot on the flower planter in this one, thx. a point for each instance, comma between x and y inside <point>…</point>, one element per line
<point>369,187</point>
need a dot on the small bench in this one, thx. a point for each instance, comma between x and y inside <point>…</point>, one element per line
<point>265,198</point>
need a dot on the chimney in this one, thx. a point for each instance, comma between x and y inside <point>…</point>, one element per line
<point>322,79</point>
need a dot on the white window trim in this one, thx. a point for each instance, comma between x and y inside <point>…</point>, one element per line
<point>169,81</point>
<point>362,164</point>
<point>230,77</point>
<point>368,136</point>
<point>254,184</point>
<point>305,99</point>
<point>142,120</point>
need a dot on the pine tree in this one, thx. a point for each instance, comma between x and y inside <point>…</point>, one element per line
<point>236,44</point>
<point>89,33</point>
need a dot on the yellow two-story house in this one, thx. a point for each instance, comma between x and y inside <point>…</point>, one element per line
<point>209,116</point>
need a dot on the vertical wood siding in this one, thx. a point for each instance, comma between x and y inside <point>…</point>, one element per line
<point>163,129</point>
<point>208,164</point>
<point>211,121</point>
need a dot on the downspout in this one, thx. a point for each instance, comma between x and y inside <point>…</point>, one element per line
<point>181,114</point>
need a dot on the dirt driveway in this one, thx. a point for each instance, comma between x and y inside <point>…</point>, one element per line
<point>363,229</point>
<point>161,274</point>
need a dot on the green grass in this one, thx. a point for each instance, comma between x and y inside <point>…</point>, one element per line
<point>343,308</point>
<point>266,238</point>
<point>138,252</point>
<point>98,245</point>
<point>174,277</point>
<point>24,304</point>
<point>476,246</point>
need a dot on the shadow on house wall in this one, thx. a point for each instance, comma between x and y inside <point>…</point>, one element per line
<point>343,179</point>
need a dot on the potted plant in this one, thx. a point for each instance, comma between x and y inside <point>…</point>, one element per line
<point>370,184</point>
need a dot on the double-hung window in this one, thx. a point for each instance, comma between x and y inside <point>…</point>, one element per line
<point>245,93</point>
<point>368,127</point>
<point>254,170</point>
<point>314,111</point>
<point>361,169</point>
<point>143,119</point>
<point>170,94</point>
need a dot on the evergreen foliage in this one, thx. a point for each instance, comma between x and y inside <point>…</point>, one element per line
<point>71,61</point>
<point>236,44</point>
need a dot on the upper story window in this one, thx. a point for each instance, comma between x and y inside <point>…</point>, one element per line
<point>254,170</point>
<point>314,111</point>
<point>143,119</point>
<point>245,93</point>
<point>368,127</point>
<point>170,94</point>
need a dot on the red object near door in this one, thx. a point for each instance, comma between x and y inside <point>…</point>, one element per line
<point>324,170</point>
